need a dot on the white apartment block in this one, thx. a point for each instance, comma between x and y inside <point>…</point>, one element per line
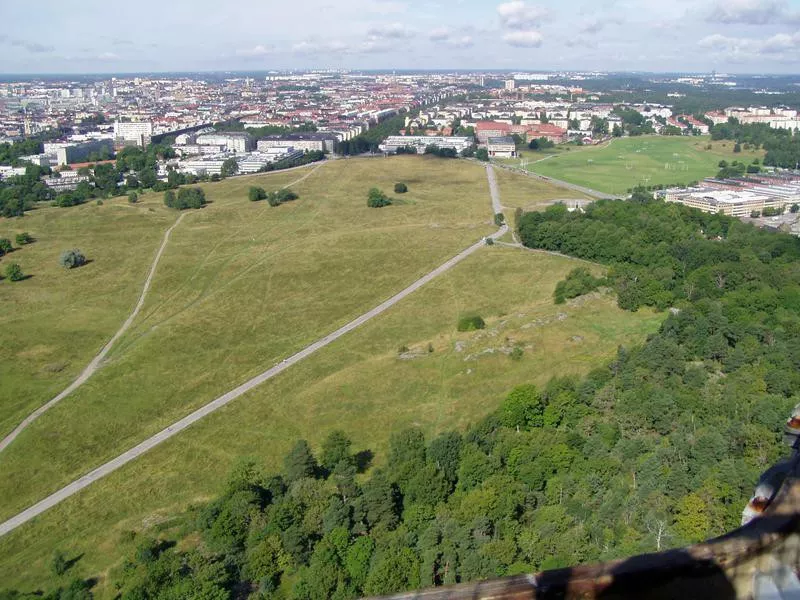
<point>420,142</point>
<point>139,132</point>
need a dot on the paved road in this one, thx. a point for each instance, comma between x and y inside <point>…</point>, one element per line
<point>177,427</point>
<point>95,363</point>
<point>97,360</point>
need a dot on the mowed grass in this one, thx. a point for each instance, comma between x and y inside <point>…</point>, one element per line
<point>647,160</point>
<point>241,286</point>
<point>359,384</point>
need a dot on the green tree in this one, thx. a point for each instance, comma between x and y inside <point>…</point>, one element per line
<point>59,563</point>
<point>256,193</point>
<point>300,462</point>
<point>523,408</point>
<point>5,246</point>
<point>377,199</point>
<point>335,448</point>
<point>229,167</point>
<point>394,570</point>
<point>14,272</point>
<point>170,199</point>
<point>133,197</point>
<point>400,188</point>
<point>692,522</point>
<point>482,154</point>
<point>72,259</point>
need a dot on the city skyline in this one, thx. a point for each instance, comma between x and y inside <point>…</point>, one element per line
<point>738,36</point>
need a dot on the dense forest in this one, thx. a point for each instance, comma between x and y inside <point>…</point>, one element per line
<point>659,448</point>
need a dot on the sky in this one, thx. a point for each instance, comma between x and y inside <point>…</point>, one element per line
<point>67,36</point>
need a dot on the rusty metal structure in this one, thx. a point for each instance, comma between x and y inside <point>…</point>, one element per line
<point>758,561</point>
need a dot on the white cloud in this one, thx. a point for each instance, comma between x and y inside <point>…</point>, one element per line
<point>385,7</point>
<point>392,31</point>
<point>108,56</point>
<point>520,15</point>
<point>523,39</point>
<point>439,34</point>
<point>781,46</point>
<point>258,50</point>
<point>752,12</point>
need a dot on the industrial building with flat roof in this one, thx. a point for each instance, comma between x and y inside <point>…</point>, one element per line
<point>420,142</point>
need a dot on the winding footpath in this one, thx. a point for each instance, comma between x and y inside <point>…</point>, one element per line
<point>165,434</point>
<point>98,359</point>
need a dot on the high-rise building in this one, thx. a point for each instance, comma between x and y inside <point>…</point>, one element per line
<point>138,133</point>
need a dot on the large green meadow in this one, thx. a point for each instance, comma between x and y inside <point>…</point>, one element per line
<point>242,285</point>
<point>646,160</point>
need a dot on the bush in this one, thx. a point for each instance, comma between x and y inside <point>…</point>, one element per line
<point>24,238</point>
<point>400,188</point>
<point>489,241</point>
<point>58,563</point>
<point>516,353</point>
<point>499,219</point>
<point>579,282</point>
<point>14,272</point>
<point>256,193</point>
<point>188,197</point>
<point>5,246</point>
<point>471,323</point>
<point>72,259</point>
<point>377,199</point>
<point>482,154</point>
<point>133,197</point>
<point>286,195</point>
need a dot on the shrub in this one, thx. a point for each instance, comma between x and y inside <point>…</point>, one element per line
<point>499,219</point>
<point>579,282</point>
<point>72,259</point>
<point>377,199</point>
<point>273,199</point>
<point>286,195</point>
<point>99,203</point>
<point>58,563</point>
<point>471,323</point>
<point>482,154</point>
<point>489,241</point>
<point>188,197</point>
<point>400,188</point>
<point>256,193</point>
<point>14,272</point>
<point>133,197</point>
<point>5,246</point>
<point>24,238</point>
<point>516,353</point>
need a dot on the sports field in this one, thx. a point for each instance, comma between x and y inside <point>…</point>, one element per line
<point>647,160</point>
<point>240,286</point>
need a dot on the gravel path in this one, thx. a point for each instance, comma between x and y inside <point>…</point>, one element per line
<point>165,434</point>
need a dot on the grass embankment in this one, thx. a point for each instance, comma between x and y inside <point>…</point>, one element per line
<point>647,160</point>
<point>359,384</point>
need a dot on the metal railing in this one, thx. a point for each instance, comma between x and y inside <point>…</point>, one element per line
<point>760,560</point>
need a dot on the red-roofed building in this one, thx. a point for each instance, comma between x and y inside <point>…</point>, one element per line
<point>699,125</point>
<point>486,129</point>
<point>675,123</point>
<point>551,132</point>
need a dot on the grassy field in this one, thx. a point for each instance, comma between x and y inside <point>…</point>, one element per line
<point>360,384</point>
<point>648,160</point>
<point>241,286</point>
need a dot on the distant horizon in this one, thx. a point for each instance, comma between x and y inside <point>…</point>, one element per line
<point>398,71</point>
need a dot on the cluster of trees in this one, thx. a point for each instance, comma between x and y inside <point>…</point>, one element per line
<point>633,122</point>
<point>578,282</point>
<point>187,197</point>
<point>10,153</point>
<point>782,145</point>
<point>370,139</point>
<point>377,199</point>
<point>736,168</point>
<point>275,198</point>
<point>262,132</point>
<point>541,143</point>
<point>307,158</point>
<point>441,152</point>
